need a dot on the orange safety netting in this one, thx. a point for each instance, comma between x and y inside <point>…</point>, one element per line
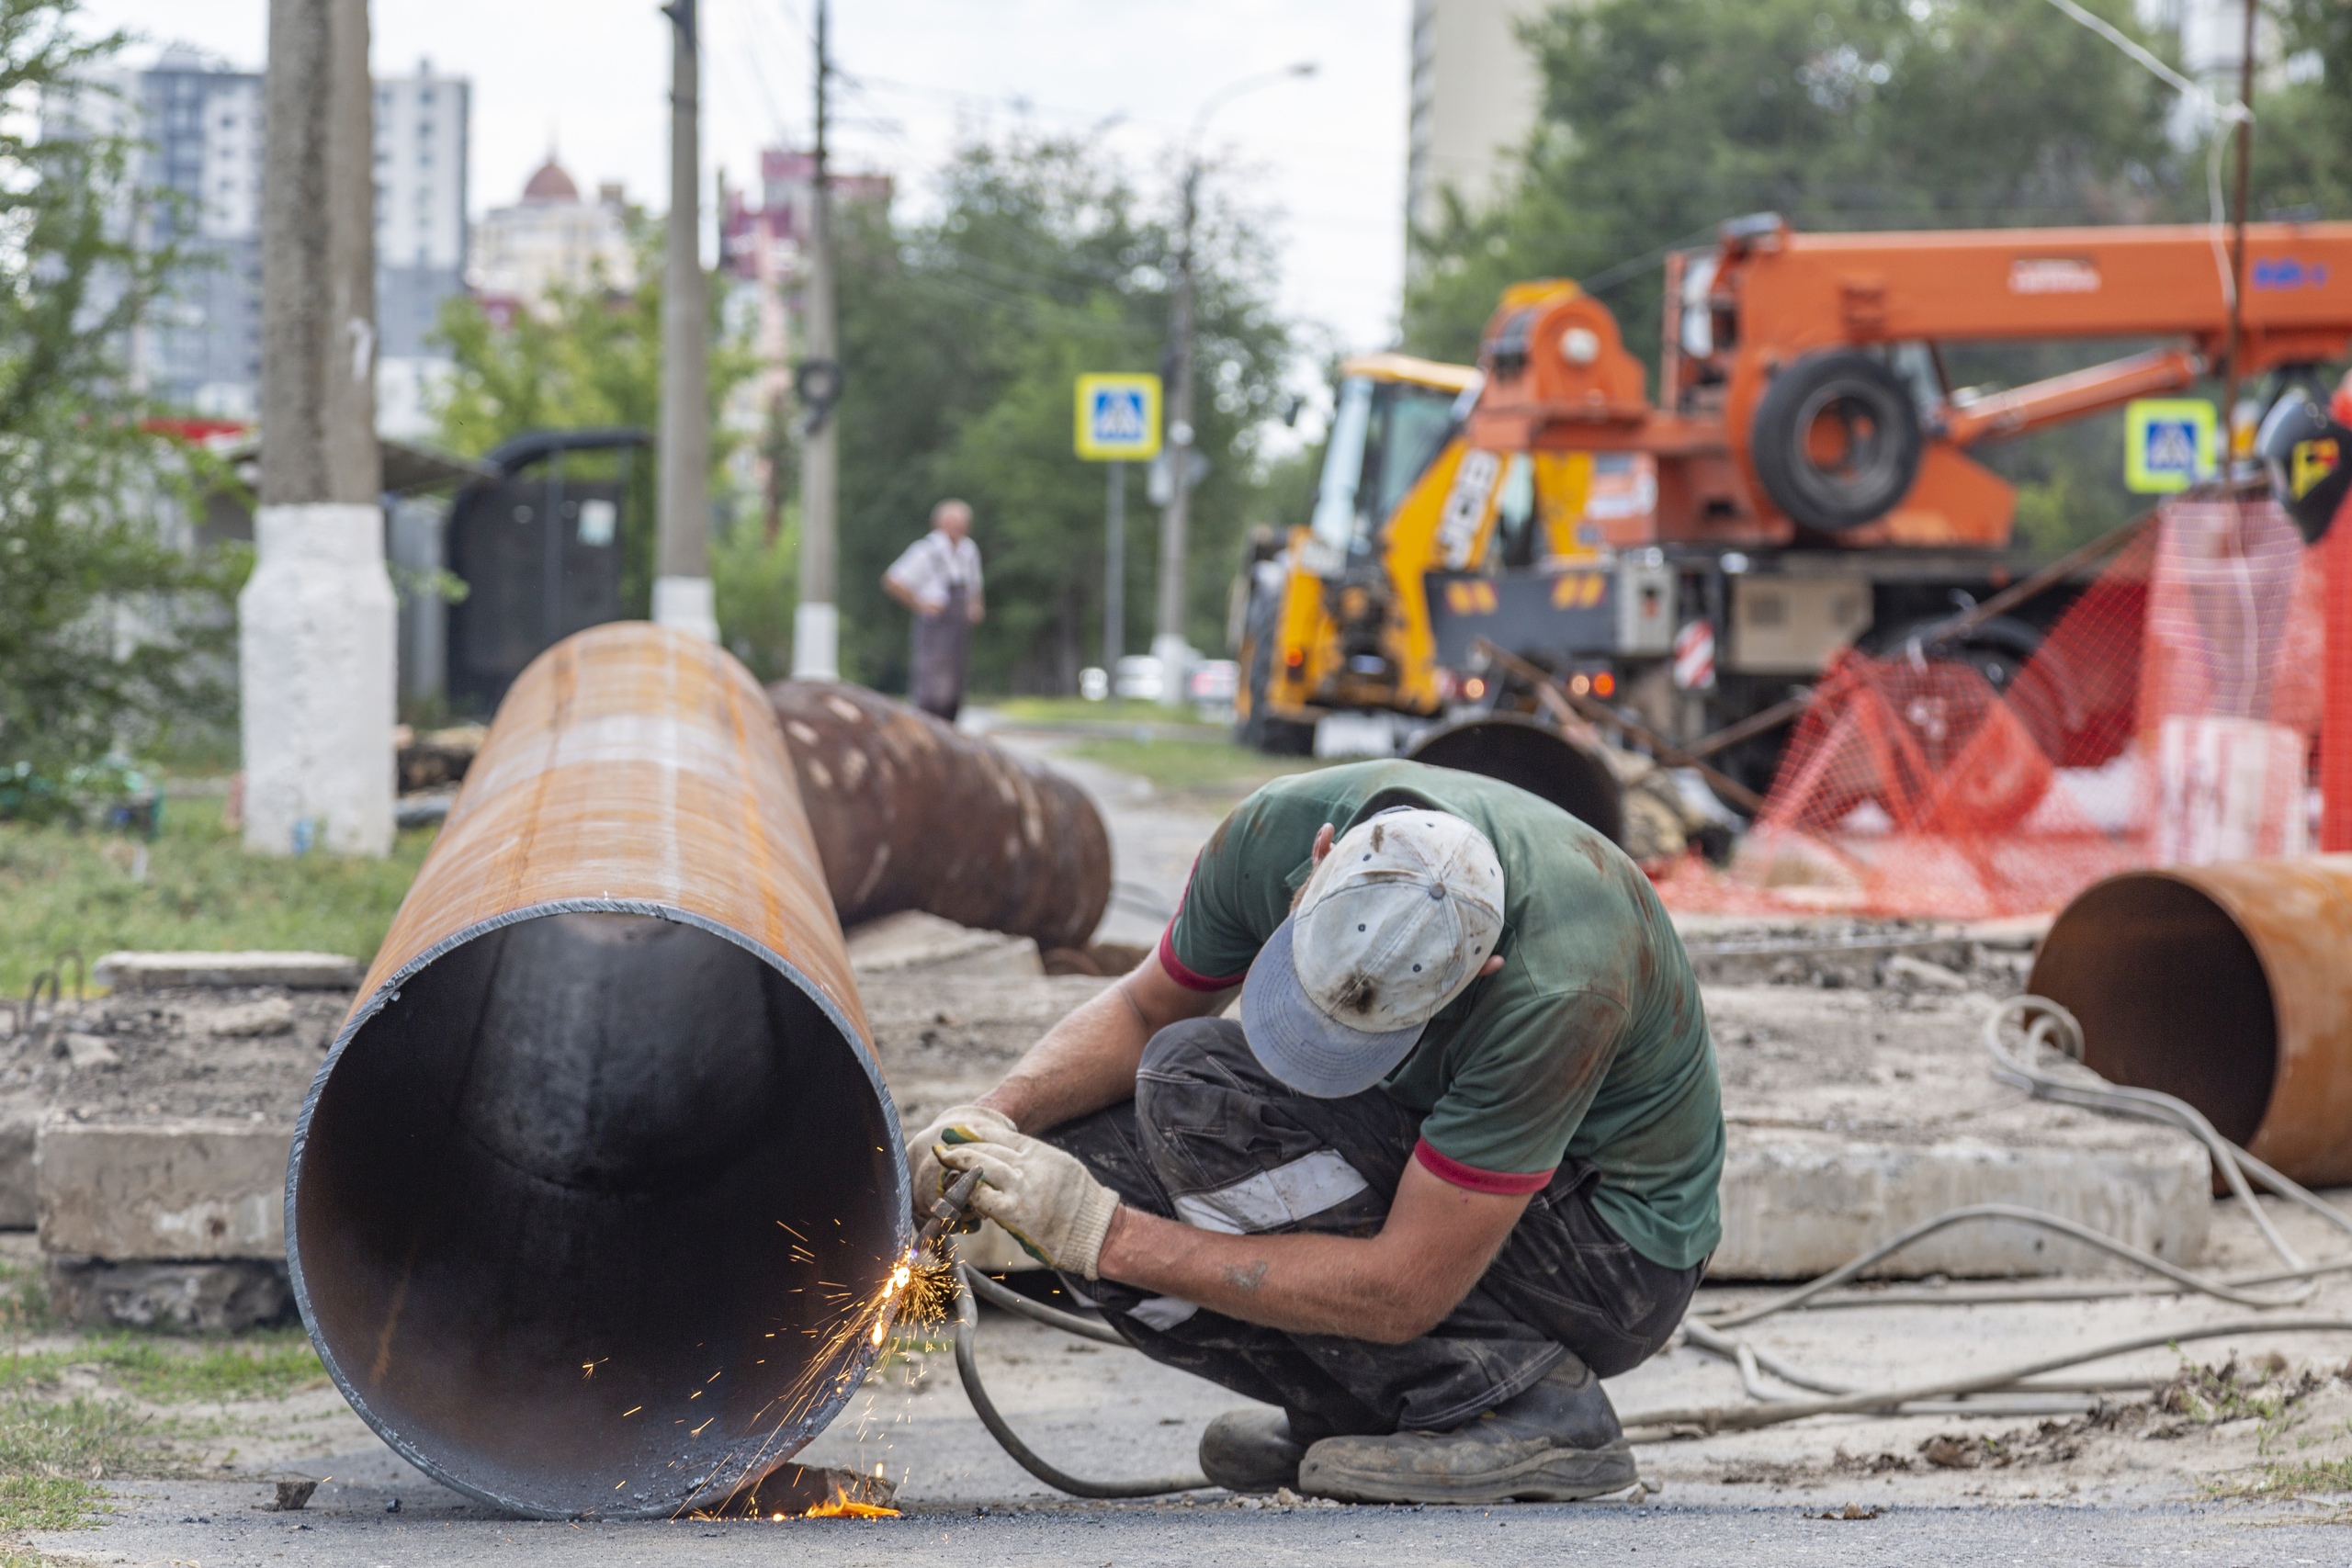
<point>2168,718</point>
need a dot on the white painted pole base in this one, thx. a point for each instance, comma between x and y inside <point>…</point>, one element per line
<point>687,605</point>
<point>816,642</point>
<point>317,674</point>
<point>1175,656</point>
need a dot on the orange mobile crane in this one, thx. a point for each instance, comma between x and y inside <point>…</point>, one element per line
<point>1802,481</point>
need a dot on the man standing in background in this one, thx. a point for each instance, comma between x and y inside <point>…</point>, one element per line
<point>938,576</point>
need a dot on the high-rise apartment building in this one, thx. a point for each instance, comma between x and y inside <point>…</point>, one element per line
<point>421,236</point>
<point>1475,93</point>
<point>200,126</point>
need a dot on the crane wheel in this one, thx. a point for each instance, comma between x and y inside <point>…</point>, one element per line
<point>1835,440</point>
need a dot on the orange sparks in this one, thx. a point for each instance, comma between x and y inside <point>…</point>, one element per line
<point>839,1508</point>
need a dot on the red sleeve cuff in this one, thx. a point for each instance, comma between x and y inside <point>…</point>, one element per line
<point>1471,1179</point>
<point>1191,980</point>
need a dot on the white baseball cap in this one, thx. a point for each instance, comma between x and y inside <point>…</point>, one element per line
<point>1393,926</point>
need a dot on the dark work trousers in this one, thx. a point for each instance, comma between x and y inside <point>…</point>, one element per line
<point>1213,1140</point>
<point>941,655</point>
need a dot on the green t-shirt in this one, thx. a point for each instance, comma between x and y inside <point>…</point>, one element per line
<point>1589,1044</point>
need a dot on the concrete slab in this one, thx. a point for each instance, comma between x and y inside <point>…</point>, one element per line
<point>1853,1115</point>
<point>178,1190</point>
<point>164,971</point>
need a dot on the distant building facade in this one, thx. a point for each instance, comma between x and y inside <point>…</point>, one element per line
<point>422,124</point>
<point>200,123</point>
<point>553,239</point>
<point>763,238</point>
<point>1475,91</point>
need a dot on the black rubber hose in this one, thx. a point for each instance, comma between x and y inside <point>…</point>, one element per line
<point>968,1315</point>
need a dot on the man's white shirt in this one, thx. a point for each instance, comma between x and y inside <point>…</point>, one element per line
<point>933,565</point>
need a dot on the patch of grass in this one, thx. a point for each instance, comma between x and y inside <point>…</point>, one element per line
<point>79,1439</point>
<point>261,1366</point>
<point>44,1503</point>
<point>1111,710</point>
<point>61,889</point>
<point>1217,767</point>
<point>2288,1478</point>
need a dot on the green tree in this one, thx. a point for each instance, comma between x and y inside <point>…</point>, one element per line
<point>962,337</point>
<point>110,636</point>
<point>584,358</point>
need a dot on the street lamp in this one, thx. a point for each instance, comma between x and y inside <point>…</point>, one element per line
<point>1169,647</point>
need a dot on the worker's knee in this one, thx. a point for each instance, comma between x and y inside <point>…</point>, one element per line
<point>1193,1073</point>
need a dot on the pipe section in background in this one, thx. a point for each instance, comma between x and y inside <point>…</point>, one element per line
<point>593,1202</point>
<point>912,814</point>
<point>2228,986</point>
<point>1537,758</point>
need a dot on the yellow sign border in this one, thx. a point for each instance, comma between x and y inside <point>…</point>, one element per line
<point>1093,451</point>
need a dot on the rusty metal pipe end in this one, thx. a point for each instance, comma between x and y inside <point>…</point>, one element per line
<point>593,1199</point>
<point>2228,986</point>
<point>1537,758</point>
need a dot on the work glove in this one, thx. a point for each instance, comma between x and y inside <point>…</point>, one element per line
<point>1046,1200</point>
<point>973,1122</point>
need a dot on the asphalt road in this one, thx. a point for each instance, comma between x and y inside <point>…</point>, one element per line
<point>216,1523</point>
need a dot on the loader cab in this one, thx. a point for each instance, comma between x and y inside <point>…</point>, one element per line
<point>1391,415</point>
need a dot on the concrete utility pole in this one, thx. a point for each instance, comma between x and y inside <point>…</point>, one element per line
<point>816,626</point>
<point>1169,644</point>
<point>315,624</point>
<point>682,595</point>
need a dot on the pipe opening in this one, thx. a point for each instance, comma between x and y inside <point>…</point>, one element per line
<point>1539,759</point>
<point>595,1206</point>
<point>2170,994</point>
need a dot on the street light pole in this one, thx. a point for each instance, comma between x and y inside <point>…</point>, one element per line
<point>1169,645</point>
<point>682,591</point>
<point>815,622</point>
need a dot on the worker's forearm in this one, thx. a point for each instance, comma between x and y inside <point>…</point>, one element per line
<point>1306,1284</point>
<point>1084,1063</point>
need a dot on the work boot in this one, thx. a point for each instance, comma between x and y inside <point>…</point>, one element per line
<point>1558,1442</point>
<point>1251,1450</point>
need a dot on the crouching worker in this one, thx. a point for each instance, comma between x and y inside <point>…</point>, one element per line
<point>1454,1164</point>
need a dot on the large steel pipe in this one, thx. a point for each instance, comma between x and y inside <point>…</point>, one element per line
<point>1538,758</point>
<point>594,1203</point>
<point>2228,986</point>
<point>912,814</point>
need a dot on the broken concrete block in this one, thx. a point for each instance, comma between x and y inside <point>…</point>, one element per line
<point>17,1208</point>
<point>161,971</point>
<point>90,1051</point>
<point>270,1015</point>
<point>1903,966</point>
<point>181,1190</point>
<point>188,1298</point>
<point>1796,1204</point>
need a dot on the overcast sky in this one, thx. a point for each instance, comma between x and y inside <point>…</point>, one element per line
<point>1325,153</point>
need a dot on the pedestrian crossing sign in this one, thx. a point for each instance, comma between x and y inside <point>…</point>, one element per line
<point>1118,418</point>
<point>2167,445</point>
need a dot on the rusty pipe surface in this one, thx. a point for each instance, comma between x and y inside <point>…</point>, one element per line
<point>1537,758</point>
<point>912,814</point>
<point>2228,986</point>
<point>594,1201</point>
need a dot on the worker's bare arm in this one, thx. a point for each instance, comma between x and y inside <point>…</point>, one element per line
<point>1088,1059</point>
<point>1388,1288</point>
<point>902,594</point>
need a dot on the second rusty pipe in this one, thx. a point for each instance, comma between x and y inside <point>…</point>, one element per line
<point>912,814</point>
<point>2228,986</point>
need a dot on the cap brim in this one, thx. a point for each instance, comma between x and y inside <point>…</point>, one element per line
<point>1302,1045</point>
